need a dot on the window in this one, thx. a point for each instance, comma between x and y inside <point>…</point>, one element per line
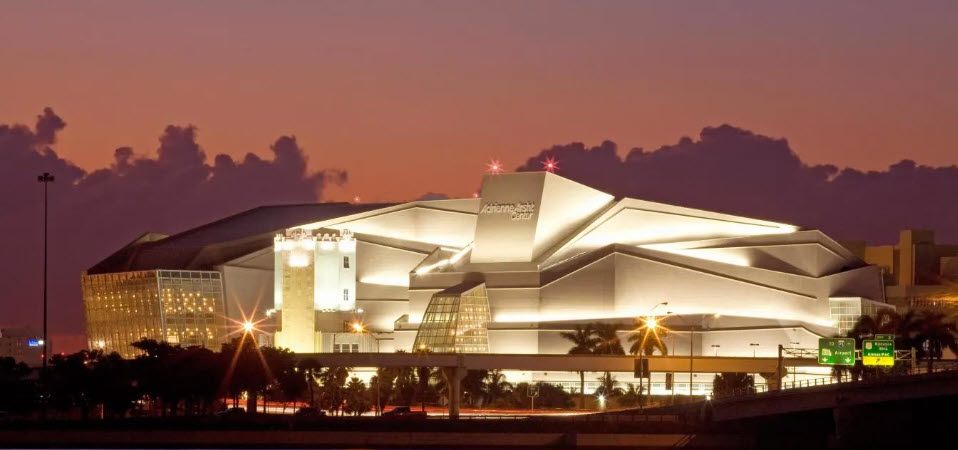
<point>345,262</point>
<point>346,295</point>
<point>346,348</point>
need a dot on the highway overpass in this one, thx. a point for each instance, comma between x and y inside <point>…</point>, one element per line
<point>456,365</point>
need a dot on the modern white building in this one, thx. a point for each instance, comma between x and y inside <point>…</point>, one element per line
<point>533,256</point>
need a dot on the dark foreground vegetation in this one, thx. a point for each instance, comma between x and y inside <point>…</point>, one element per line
<point>168,380</point>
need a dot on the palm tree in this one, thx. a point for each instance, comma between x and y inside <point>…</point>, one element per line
<point>496,385</point>
<point>608,342</point>
<point>607,386</point>
<point>937,333</point>
<point>648,340</point>
<point>645,341</point>
<point>310,368</point>
<point>630,396</point>
<point>583,342</point>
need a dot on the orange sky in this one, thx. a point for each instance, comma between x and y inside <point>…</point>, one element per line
<point>411,97</point>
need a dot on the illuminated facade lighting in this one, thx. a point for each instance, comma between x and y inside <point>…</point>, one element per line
<point>176,306</point>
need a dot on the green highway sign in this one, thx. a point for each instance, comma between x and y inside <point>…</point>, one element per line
<point>878,352</point>
<point>836,351</point>
<point>884,337</point>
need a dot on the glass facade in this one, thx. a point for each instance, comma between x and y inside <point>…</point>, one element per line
<point>845,312</point>
<point>456,321</point>
<point>177,306</point>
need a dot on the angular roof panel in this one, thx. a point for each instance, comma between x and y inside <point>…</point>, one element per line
<point>208,245</point>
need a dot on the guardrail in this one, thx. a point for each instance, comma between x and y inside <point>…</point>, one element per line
<point>581,418</point>
<point>801,384</point>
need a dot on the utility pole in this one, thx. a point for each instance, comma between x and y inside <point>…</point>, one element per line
<point>46,179</point>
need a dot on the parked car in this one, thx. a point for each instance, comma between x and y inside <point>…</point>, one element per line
<point>232,412</point>
<point>308,411</point>
<point>405,412</point>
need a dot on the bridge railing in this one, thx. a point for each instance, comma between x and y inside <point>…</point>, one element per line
<point>824,381</point>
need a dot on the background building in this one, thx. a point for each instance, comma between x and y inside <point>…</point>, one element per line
<point>23,345</point>
<point>917,272</point>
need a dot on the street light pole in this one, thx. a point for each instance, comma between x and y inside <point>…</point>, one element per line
<point>645,335</point>
<point>46,179</point>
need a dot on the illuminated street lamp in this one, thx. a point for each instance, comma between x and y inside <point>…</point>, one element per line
<point>651,323</point>
<point>248,326</point>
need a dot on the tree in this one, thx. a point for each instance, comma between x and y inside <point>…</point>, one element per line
<point>16,392</point>
<point>645,341</point>
<point>423,374</point>
<point>648,340</point>
<point>630,397</point>
<point>474,387</point>
<point>727,382</point>
<point>607,386</point>
<point>937,332</point>
<point>550,396</point>
<point>607,339</point>
<point>332,392</point>
<point>71,383</point>
<point>154,370</point>
<point>112,384</point>
<point>357,398</point>
<point>496,385</point>
<point>583,342</point>
<point>281,366</point>
<point>382,384</point>
<point>310,368</point>
<point>405,388</point>
<point>246,370</point>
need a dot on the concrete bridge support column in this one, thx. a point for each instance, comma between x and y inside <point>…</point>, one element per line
<point>454,376</point>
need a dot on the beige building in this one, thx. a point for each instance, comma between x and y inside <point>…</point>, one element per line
<point>917,272</point>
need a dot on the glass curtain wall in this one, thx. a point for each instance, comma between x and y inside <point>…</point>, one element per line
<point>456,321</point>
<point>180,307</point>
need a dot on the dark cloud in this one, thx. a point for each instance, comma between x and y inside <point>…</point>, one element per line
<point>94,213</point>
<point>48,124</point>
<point>733,170</point>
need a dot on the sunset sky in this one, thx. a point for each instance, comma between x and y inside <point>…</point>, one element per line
<point>412,97</point>
<point>408,98</point>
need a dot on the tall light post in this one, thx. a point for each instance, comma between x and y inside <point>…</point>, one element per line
<point>358,327</point>
<point>716,347</point>
<point>754,346</point>
<point>692,342</point>
<point>650,324</point>
<point>794,346</point>
<point>46,179</point>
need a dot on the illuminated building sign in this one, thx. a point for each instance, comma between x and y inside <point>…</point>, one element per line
<point>34,343</point>
<point>518,210</point>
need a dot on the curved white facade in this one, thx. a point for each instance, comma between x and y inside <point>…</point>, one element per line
<point>553,253</point>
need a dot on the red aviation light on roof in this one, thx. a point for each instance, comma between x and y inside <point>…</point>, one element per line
<point>550,165</point>
<point>494,166</point>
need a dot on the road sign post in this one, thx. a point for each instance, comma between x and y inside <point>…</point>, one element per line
<point>836,351</point>
<point>878,352</point>
<point>533,393</point>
